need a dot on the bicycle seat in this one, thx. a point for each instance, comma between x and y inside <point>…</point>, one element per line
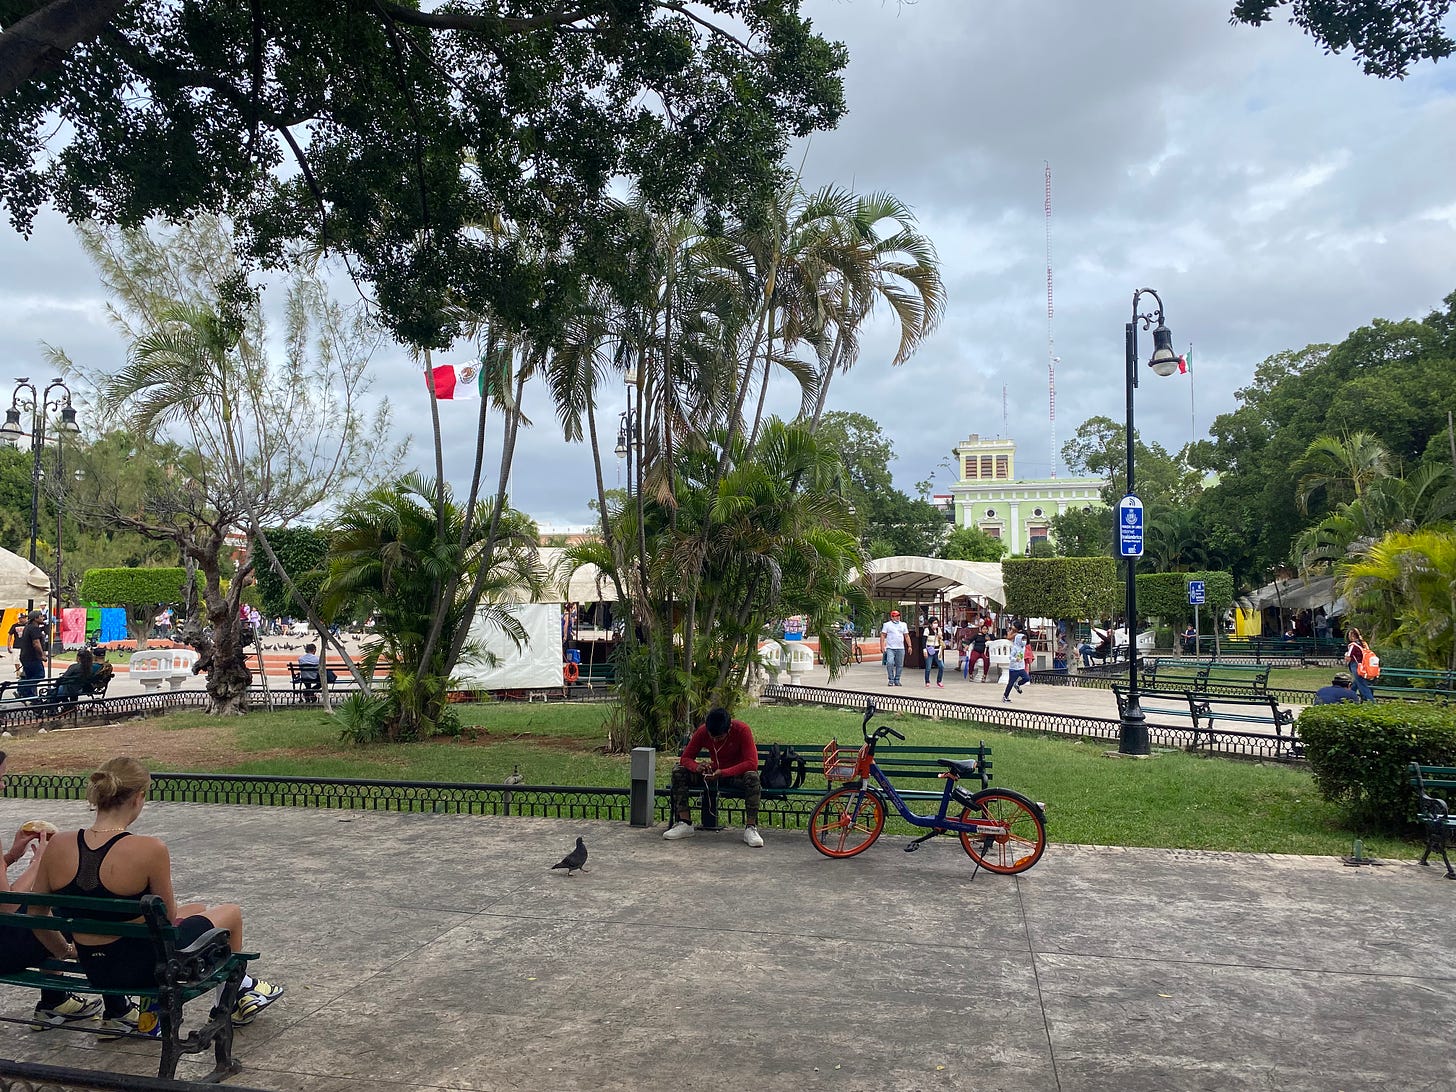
<point>961,767</point>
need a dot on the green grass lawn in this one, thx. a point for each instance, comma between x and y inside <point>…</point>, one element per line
<point>1174,800</point>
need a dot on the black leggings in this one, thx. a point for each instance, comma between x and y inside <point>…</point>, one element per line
<point>131,962</point>
<point>19,949</point>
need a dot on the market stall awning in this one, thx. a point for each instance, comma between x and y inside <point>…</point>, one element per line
<point>1299,593</point>
<point>21,581</point>
<point>907,578</point>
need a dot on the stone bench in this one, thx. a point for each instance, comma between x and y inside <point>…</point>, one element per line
<point>170,665</point>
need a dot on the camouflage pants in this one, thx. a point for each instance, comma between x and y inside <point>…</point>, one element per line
<point>745,785</point>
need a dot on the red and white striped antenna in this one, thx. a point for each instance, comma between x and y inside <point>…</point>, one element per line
<point>1051,313</point>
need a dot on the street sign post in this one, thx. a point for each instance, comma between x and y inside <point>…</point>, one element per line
<point>1130,527</point>
<point>1195,599</point>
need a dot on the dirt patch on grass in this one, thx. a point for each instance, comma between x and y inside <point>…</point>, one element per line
<point>482,737</point>
<point>81,750</point>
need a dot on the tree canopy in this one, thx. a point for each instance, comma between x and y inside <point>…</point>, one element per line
<point>391,135</point>
<point>1386,36</point>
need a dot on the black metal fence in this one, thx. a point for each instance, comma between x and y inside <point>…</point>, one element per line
<point>1017,718</point>
<point>354,794</point>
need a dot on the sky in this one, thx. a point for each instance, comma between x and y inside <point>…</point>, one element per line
<point>1274,196</point>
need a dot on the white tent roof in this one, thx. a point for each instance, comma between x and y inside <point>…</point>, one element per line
<point>21,581</point>
<point>905,577</point>
<point>1298,594</point>
<point>585,585</point>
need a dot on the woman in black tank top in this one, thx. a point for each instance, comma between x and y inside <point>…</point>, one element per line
<point>108,861</point>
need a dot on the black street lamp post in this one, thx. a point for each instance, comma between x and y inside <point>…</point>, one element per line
<point>40,405</point>
<point>1133,737</point>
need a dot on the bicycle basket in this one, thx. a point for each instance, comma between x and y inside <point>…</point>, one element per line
<point>836,768</point>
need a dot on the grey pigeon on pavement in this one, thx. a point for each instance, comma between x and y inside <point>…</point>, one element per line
<point>575,859</point>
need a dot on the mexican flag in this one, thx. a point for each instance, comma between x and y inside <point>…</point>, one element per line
<point>1183,362</point>
<point>458,382</point>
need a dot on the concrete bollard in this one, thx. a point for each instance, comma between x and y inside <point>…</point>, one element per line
<point>644,773</point>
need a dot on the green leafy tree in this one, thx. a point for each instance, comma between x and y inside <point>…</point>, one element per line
<point>1337,469</point>
<point>1083,532</point>
<point>774,538</point>
<point>971,544</point>
<point>260,441</point>
<point>1386,37</point>
<point>302,553</point>
<point>894,523</point>
<point>1099,449</point>
<point>390,132</point>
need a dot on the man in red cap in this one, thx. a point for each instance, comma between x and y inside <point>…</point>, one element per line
<point>892,646</point>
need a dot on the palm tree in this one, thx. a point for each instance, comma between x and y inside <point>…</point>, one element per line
<point>1405,584</point>
<point>1388,504</point>
<point>1341,468</point>
<point>391,552</point>
<point>1175,542</point>
<point>898,266</point>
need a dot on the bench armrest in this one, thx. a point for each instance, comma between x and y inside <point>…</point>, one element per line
<point>204,957</point>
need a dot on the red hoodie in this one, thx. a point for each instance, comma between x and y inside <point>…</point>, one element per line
<point>734,754</point>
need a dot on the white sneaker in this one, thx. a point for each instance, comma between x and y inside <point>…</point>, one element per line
<point>751,837</point>
<point>679,829</point>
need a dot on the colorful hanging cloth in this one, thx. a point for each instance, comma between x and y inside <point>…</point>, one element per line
<point>73,627</point>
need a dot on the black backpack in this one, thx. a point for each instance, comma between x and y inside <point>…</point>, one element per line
<point>783,768</point>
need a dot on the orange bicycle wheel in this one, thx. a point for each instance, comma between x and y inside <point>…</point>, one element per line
<point>1016,848</point>
<point>846,822</point>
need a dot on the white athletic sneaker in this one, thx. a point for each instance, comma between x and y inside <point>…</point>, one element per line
<point>679,829</point>
<point>751,837</point>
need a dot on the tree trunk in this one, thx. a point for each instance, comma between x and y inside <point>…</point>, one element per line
<point>224,658</point>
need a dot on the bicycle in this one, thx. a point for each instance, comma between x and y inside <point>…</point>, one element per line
<point>1001,830</point>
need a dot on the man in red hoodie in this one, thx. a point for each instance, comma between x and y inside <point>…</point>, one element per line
<point>731,765</point>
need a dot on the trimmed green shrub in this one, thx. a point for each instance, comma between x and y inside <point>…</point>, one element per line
<point>1061,587</point>
<point>1359,754</point>
<point>138,590</point>
<point>1165,595</point>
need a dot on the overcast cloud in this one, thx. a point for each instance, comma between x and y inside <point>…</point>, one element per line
<point>1274,197</point>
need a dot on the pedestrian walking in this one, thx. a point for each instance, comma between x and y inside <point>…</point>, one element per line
<point>892,647</point>
<point>931,649</point>
<point>1355,654</point>
<point>1016,673</point>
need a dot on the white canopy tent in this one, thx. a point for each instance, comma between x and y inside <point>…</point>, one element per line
<point>905,577</point>
<point>21,581</point>
<point>1300,594</point>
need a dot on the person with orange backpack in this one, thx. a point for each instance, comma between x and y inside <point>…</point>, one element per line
<point>1363,663</point>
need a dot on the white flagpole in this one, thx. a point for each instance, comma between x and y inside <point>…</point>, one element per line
<point>1192,419</point>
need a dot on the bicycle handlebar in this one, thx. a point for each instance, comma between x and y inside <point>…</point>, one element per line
<point>880,732</point>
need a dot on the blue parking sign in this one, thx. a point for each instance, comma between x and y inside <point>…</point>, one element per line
<point>1130,526</point>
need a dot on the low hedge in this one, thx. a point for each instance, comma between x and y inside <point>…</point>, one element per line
<point>1360,754</point>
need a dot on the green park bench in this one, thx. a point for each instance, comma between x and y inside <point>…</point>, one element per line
<point>1434,786</point>
<point>183,973</point>
<point>1206,675</point>
<point>1204,709</point>
<point>1414,684</point>
<point>899,763</point>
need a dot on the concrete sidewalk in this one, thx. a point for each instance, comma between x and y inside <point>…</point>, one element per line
<point>440,952</point>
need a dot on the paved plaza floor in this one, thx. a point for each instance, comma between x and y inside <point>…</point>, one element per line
<point>441,952</point>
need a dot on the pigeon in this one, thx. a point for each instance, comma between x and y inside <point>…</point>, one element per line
<point>575,859</point>
<point>515,778</point>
